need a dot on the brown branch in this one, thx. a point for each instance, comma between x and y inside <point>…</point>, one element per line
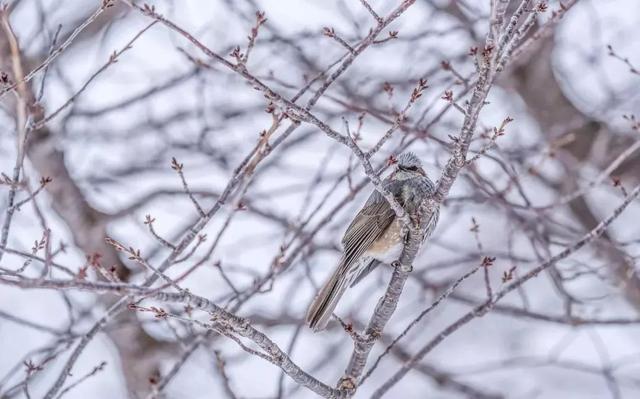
<point>113,58</point>
<point>60,49</point>
<point>21,122</point>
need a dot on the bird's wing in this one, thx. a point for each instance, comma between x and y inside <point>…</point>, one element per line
<point>368,225</point>
<point>373,263</point>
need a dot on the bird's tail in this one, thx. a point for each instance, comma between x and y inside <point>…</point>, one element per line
<point>325,302</point>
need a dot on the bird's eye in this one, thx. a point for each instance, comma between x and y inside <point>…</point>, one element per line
<point>412,168</point>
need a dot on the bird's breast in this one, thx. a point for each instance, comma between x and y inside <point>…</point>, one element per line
<point>388,247</point>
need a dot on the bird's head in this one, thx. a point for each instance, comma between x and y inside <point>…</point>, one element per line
<point>409,163</point>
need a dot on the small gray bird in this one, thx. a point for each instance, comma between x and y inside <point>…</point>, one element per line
<point>374,236</point>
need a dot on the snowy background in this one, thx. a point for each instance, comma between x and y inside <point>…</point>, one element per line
<point>119,151</point>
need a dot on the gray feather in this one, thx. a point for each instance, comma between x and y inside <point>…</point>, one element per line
<point>373,263</point>
<point>325,302</point>
<point>409,189</point>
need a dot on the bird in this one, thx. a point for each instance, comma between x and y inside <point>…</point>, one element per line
<point>375,235</point>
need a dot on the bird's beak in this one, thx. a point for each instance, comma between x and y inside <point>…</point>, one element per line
<point>422,172</point>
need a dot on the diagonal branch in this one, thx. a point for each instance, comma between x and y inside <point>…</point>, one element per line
<point>485,307</point>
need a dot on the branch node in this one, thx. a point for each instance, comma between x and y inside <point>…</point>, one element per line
<point>403,268</point>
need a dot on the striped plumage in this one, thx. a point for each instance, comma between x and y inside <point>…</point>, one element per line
<point>374,236</point>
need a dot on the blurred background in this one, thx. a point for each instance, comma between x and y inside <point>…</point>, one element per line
<point>105,126</point>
